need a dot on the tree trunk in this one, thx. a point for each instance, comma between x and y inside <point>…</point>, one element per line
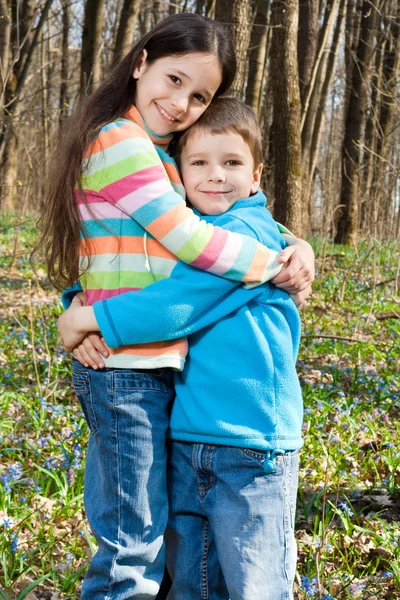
<point>238,14</point>
<point>326,87</point>
<point>91,45</point>
<point>157,11</point>
<point>257,57</point>
<point>64,95</point>
<point>200,7</point>
<point>317,100</point>
<point>5,35</point>
<point>126,29</point>
<point>307,42</point>
<point>25,44</point>
<point>390,72</point>
<point>354,127</point>
<point>286,107</point>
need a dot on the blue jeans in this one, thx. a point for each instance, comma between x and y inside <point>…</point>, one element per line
<point>231,527</point>
<point>126,500</point>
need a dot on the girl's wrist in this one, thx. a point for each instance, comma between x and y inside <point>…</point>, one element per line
<point>85,320</point>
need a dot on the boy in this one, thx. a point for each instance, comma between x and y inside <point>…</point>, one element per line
<point>236,421</point>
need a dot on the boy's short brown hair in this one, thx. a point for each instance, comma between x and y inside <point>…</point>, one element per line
<point>226,114</point>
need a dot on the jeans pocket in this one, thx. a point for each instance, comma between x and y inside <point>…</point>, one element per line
<point>83,391</point>
<point>257,455</point>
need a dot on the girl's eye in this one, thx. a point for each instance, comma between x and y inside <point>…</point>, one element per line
<point>232,163</point>
<point>174,78</point>
<point>200,98</point>
<point>198,163</point>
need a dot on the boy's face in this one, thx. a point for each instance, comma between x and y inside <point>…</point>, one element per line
<point>217,171</point>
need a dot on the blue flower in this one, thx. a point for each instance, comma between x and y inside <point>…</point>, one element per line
<point>345,509</point>
<point>14,544</point>
<point>7,522</point>
<point>387,575</point>
<point>309,586</point>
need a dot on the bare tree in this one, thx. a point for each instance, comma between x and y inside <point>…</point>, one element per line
<point>354,126</point>
<point>64,94</point>
<point>258,56</point>
<point>25,42</point>
<point>286,123</point>
<point>91,44</point>
<point>237,13</point>
<point>315,90</point>
<point>5,33</point>
<point>126,29</point>
<point>307,42</point>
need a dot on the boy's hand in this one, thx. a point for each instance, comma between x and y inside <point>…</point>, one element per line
<point>89,350</point>
<point>301,297</point>
<point>298,271</point>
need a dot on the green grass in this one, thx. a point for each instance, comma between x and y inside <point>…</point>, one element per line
<point>349,501</point>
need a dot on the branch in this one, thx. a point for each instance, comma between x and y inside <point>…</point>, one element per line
<point>388,315</point>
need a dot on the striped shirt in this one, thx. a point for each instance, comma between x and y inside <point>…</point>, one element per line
<point>135,225</point>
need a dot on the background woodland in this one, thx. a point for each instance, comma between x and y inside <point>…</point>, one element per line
<point>321,75</point>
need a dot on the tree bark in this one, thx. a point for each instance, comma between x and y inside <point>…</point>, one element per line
<point>354,127</point>
<point>390,73</point>
<point>126,29</point>
<point>317,99</point>
<point>326,87</point>
<point>257,57</point>
<point>237,13</point>
<point>307,42</point>
<point>64,94</point>
<point>25,44</point>
<point>286,107</point>
<point>5,38</point>
<point>91,45</point>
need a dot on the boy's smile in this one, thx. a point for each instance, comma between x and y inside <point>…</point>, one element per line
<point>217,171</point>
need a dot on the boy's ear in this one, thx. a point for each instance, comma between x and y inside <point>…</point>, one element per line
<point>256,179</point>
<point>140,65</point>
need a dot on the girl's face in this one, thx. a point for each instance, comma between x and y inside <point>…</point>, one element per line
<point>172,92</point>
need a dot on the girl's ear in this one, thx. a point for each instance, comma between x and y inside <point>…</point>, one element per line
<point>141,64</point>
<point>256,178</point>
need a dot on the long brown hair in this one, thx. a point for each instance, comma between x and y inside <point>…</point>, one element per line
<point>178,34</point>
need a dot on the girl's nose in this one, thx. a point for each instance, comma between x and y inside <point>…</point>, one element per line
<point>180,104</point>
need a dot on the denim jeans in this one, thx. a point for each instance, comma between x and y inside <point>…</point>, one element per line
<point>126,501</point>
<point>231,527</point>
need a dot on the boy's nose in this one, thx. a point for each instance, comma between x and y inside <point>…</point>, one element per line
<point>180,104</point>
<point>216,174</point>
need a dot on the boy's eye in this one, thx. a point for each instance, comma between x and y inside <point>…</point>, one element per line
<point>200,98</point>
<point>174,78</point>
<point>232,163</point>
<point>198,163</point>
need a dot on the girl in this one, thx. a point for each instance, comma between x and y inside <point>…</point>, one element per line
<point>129,196</point>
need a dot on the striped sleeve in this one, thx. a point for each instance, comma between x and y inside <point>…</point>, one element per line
<point>124,167</point>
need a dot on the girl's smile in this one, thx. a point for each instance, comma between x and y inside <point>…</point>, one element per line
<point>172,92</point>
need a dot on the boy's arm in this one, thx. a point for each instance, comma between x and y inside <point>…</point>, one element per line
<point>172,308</point>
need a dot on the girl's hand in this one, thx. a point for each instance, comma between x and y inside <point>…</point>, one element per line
<point>298,271</point>
<point>89,350</point>
<point>79,299</point>
<point>301,297</point>
<point>75,323</point>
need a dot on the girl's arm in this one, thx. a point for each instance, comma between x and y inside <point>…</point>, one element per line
<point>172,308</point>
<point>125,169</point>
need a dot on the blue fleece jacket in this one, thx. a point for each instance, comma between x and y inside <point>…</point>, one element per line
<point>239,386</point>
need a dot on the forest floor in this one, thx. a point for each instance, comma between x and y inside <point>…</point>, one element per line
<point>348,510</point>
